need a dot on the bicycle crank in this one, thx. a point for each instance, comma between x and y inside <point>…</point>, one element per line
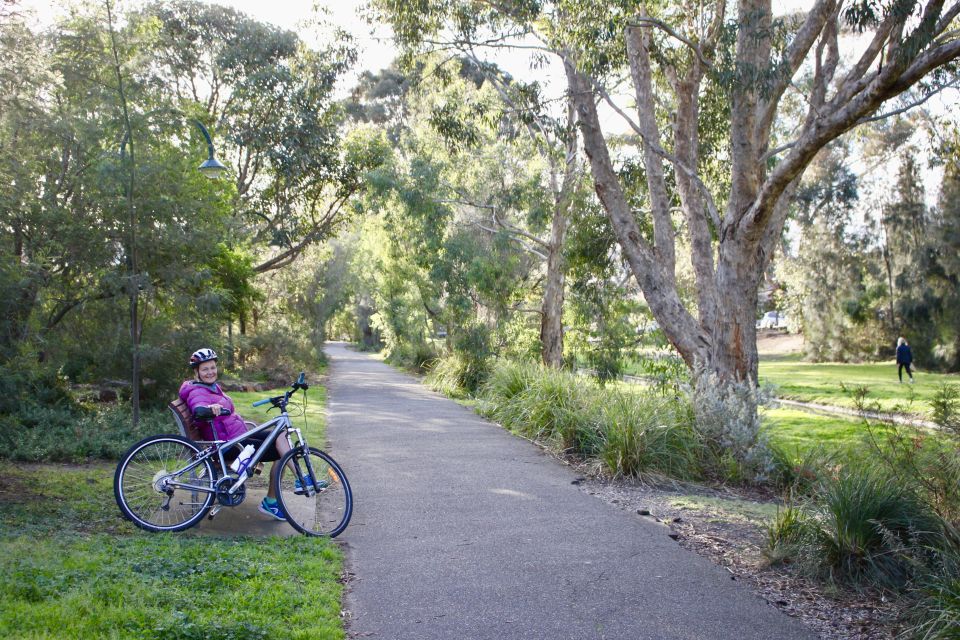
<point>226,498</point>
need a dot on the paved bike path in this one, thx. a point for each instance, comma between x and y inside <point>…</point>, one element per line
<point>462,531</point>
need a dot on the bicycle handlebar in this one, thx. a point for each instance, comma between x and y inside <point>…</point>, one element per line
<point>204,413</point>
<point>281,401</point>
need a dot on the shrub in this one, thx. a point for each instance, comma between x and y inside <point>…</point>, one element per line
<point>53,434</point>
<point>668,373</point>
<point>415,356</point>
<point>25,384</point>
<point>946,408</point>
<point>733,445</point>
<point>472,345</point>
<point>277,353</point>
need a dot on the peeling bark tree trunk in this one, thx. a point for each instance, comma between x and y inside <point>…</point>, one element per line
<point>551,318</point>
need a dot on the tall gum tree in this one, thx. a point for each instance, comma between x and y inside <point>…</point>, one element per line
<point>674,57</point>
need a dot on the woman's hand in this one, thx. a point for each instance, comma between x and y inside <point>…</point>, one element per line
<point>216,409</point>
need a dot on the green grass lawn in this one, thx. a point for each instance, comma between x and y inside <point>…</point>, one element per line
<point>798,433</point>
<point>72,567</point>
<point>824,383</point>
<point>315,427</point>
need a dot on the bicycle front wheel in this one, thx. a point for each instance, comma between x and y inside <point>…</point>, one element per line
<point>160,486</point>
<point>314,493</point>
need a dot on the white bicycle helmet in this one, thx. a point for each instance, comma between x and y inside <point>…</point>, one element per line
<point>202,355</point>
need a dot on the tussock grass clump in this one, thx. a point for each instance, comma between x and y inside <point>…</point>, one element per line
<point>456,374</point>
<point>551,406</point>
<point>648,434</point>
<point>631,433</point>
<point>863,528</point>
<point>938,612</point>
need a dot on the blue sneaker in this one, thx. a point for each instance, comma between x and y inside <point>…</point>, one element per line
<point>311,483</point>
<point>272,508</point>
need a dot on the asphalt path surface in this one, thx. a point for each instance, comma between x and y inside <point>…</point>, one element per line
<point>463,531</point>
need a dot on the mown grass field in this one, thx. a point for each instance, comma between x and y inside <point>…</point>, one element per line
<point>798,433</point>
<point>72,567</point>
<point>833,384</point>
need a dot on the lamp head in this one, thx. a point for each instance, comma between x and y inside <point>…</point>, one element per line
<point>212,168</point>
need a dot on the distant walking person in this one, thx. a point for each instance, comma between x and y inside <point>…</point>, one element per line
<point>904,358</point>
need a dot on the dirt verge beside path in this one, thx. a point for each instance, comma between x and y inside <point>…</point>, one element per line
<point>729,528</point>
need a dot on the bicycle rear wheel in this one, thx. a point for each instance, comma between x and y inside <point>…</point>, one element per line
<point>143,484</point>
<point>322,508</point>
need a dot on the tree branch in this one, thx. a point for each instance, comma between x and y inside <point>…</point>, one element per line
<point>666,155</point>
<point>663,26</point>
<point>663,233</point>
<point>916,103</point>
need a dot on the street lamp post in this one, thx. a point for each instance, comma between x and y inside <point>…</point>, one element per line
<point>211,168</point>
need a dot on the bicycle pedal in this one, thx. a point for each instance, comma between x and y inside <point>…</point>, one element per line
<point>257,470</point>
<point>214,511</point>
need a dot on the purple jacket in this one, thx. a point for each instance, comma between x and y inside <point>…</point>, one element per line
<point>197,394</point>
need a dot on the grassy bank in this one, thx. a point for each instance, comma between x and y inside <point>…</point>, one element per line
<point>72,567</point>
<point>832,383</point>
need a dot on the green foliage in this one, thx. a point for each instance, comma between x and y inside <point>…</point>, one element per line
<point>604,315</point>
<point>25,384</point>
<point>864,528</point>
<point>54,434</point>
<point>936,614</point>
<point>646,435</point>
<point>945,408</point>
<point>418,357</point>
<point>632,434</point>
<point>667,372</point>
<point>268,101</point>
<point>556,408</point>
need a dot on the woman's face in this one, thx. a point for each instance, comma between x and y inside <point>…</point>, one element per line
<point>207,372</point>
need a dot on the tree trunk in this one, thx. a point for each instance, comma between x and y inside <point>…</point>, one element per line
<point>733,349</point>
<point>551,316</point>
<point>134,276</point>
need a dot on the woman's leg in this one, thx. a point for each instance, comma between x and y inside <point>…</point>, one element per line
<point>282,447</point>
<point>900,372</point>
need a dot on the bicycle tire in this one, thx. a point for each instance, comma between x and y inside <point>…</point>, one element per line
<point>327,512</point>
<point>141,500</point>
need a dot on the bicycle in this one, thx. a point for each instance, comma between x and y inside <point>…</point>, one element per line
<point>169,483</point>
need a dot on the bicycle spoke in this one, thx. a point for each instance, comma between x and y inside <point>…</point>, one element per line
<point>140,478</point>
<point>323,509</point>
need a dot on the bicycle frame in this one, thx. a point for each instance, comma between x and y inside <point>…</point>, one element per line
<point>218,447</point>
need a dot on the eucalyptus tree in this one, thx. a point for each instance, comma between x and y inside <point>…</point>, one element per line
<point>729,157</point>
<point>504,168</point>
<point>272,100</point>
<point>526,175</point>
<point>554,138</point>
